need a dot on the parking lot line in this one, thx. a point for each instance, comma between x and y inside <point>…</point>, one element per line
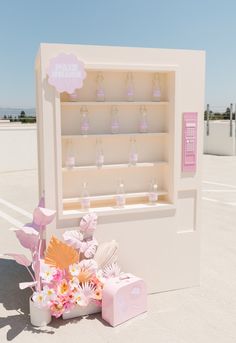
<point>16,208</point>
<point>10,219</point>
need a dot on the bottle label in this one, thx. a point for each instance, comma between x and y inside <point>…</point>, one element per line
<point>73,96</point>
<point>130,92</point>
<point>134,157</point>
<point>157,93</point>
<point>153,196</point>
<point>70,162</point>
<point>115,125</point>
<point>100,93</point>
<point>120,200</point>
<point>100,159</point>
<point>85,202</point>
<point>143,126</point>
<point>85,126</point>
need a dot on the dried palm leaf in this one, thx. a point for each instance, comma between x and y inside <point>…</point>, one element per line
<point>60,255</point>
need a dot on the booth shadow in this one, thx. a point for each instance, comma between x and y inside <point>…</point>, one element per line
<point>12,298</point>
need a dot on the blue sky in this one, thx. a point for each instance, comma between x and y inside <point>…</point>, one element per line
<point>183,24</point>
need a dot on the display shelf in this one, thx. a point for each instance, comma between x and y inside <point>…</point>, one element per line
<point>116,166</point>
<point>72,213</point>
<point>152,146</point>
<point>148,134</point>
<point>112,196</point>
<point>113,103</point>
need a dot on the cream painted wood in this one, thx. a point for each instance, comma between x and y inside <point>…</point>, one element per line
<point>159,243</point>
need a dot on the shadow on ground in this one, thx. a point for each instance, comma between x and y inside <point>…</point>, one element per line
<point>12,299</point>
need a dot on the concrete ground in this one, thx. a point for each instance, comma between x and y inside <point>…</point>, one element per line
<point>205,314</point>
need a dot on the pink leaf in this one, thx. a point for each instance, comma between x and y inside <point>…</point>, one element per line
<point>28,237</point>
<point>73,238</point>
<point>24,285</point>
<point>42,201</point>
<point>21,259</point>
<point>43,216</point>
<point>90,248</point>
<point>88,224</point>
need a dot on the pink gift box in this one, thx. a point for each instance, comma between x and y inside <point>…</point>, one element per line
<point>123,298</point>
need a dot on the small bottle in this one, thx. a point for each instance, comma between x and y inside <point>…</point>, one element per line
<point>120,194</point>
<point>70,157</point>
<point>115,123</point>
<point>99,153</point>
<point>129,87</point>
<point>153,192</point>
<point>156,88</point>
<point>100,90</point>
<point>143,123</point>
<point>84,124</point>
<point>85,199</point>
<point>133,155</point>
<point>74,96</point>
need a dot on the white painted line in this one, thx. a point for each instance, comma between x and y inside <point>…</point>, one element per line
<point>219,201</point>
<point>220,190</point>
<point>219,184</point>
<point>16,208</point>
<point>10,219</point>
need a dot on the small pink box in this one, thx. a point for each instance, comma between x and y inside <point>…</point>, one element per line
<point>123,298</point>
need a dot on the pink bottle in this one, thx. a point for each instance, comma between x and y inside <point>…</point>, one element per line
<point>123,298</point>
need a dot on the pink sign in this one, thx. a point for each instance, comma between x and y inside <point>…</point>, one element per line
<point>66,73</point>
<point>189,153</point>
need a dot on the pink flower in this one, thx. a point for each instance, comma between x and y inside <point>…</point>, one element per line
<point>57,308</point>
<point>58,276</point>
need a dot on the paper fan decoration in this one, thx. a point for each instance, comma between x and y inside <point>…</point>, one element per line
<point>60,255</point>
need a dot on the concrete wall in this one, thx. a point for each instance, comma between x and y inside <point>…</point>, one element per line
<point>219,141</point>
<point>18,147</point>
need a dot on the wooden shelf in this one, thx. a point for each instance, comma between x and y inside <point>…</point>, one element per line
<point>129,208</point>
<point>115,166</point>
<point>111,103</point>
<point>148,134</point>
<point>112,196</point>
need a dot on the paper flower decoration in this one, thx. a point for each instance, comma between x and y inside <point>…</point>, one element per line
<point>66,73</point>
<point>73,238</point>
<point>88,224</point>
<point>43,216</point>
<point>28,237</point>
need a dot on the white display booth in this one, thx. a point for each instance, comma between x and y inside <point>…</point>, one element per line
<point>157,241</point>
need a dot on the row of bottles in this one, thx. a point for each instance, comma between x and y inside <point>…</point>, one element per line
<point>70,160</point>
<point>115,121</point>
<point>129,88</point>
<point>120,197</point>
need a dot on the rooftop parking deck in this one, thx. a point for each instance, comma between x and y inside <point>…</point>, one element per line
<point>201,314</point>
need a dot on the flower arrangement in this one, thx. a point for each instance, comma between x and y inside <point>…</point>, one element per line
<point>68,273</point>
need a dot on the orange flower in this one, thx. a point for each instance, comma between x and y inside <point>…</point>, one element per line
<point>98,294</point>
<point>63,288</point>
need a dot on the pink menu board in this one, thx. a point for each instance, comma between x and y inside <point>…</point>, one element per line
<point>189,144</point>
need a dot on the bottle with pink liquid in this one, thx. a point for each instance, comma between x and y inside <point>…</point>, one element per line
<point>84,123</point>
<point>129,87</point>
<point>143,122</point>
<point>100,90</point>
